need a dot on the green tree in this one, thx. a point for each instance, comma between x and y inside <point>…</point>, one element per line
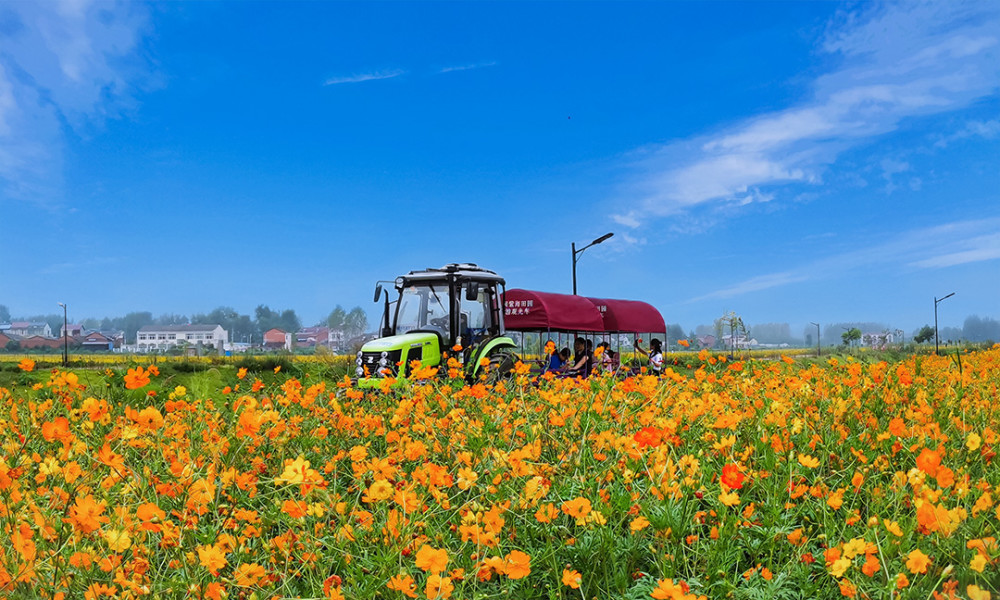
<point>337,317</point>
<point>925,334</point>
<point>132,322</point>
<point>170,319</point>
<point>851,335</point>
<point>356,322</point>
<point>4,314</point>
<point>674,332</point>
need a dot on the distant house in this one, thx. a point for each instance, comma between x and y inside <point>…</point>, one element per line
<point>337,340</point>
<point>276,339</point>
<point>30,328</point>
<point>877,340</point>
<point>158,338</point>
<point>74,329</point>
<point>95,340</point>
<point>310,337</point>
<point>37,341</point>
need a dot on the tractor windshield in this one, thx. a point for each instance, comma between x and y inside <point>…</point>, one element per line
<point>424,307</point>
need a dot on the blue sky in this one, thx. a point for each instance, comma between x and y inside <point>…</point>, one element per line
<point>792,162</point>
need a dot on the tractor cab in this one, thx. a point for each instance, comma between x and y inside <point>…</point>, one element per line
<point>436,312</point>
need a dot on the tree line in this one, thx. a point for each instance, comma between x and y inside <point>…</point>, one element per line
<point>241,327</point>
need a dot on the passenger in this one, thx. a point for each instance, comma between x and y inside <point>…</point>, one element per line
<point>655,354</point>
<point>609,358</point>
<point>558,360</point>
<point>583,361</point>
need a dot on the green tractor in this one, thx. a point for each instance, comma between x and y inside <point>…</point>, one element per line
<point>438,311</point>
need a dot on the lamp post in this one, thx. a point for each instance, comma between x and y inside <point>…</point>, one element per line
<point>819,350</point>
<point>936,300</point>
<point>580,251</point>
<point>65,334</point>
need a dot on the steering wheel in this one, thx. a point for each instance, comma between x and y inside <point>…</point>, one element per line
<point>440,323</point>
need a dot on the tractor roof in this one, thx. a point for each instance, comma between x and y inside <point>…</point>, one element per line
<point>454,272</point>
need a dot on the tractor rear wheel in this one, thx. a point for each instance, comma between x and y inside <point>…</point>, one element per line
<point>501,366</point>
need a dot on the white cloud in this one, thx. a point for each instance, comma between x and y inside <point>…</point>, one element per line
<point>984,129</point>
<point>941,246</point>
<point>62,64</point>
<point>975,249</point>
<point>469,67</point>
<point>754,284</point>
<point>358,78</point>
<point>897,61</point>
<point>890,168</point>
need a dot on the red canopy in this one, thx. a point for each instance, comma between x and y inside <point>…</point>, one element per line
<point>525,310</point>
<point>629,316</point>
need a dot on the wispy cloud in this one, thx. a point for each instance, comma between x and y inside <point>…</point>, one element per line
<point>468,67</point>
<point>983,129</point>
<point>941,246</point>
<point>372,76</point>
<point>61,64</point>
<point>897,61</point>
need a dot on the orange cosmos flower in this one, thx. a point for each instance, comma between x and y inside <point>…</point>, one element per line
<point>517,565</point>
<point>403,583</point>
<point>27,365</point>
<point>917,562</point>
<point>648,436</point>
<point>684,343</point>
<point>87,514</point>
<point>578,508</point>
<point>432,560</point>
<point>241,373</point>
<point>571,578</point>
<point>295,509</point>
<point>809,462</point>
<point>215,591</point>
<point>150,419</point>
<point>212,558</point>
<point>732,477</point>
<point>977,593</point>
<point>57,429</point>
<point>378,491</point>
<point>439,587</point>
<point>929,461</point>
<point>136,378</point>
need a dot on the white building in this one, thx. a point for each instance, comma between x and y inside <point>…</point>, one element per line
<point>157,338</point>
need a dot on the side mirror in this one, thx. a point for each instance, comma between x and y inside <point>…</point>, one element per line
<point>378,291</point>
<point>472,292</point>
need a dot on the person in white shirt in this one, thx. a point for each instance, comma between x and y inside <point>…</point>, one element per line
<point>655,354</point>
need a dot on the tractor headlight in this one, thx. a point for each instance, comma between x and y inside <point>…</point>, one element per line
<point>383,362</point>
<point>359,371</point>
<point>385,354</point>
<point>359,354</point>
<point>357,361</point>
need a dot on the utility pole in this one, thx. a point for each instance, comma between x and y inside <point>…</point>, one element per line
<point>819,349</point>
<point>65,336</point>
<point>936,301</point>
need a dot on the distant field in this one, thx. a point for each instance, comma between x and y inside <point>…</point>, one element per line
<point>741,479</point>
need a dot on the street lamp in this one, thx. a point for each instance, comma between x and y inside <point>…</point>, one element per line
<point>936,300</point>
<point>580,251</point>
<point>65,333</point>
<point>819,350</point>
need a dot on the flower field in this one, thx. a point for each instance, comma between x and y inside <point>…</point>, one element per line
<point>753,479</point>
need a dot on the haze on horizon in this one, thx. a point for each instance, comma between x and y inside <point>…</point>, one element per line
<point>793,162</point>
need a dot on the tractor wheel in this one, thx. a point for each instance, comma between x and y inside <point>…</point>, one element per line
<point>501,366</point>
